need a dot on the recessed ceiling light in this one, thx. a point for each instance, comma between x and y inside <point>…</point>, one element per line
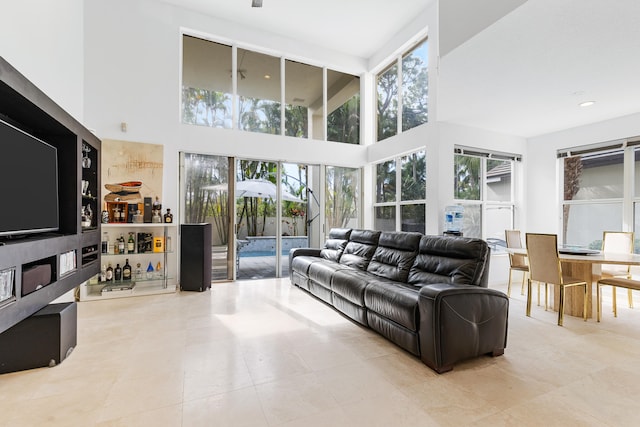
<point>267,76</point>
<point>587,103</point>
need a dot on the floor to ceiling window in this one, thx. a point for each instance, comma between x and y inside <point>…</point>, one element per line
<point>401,207</point>
<point>204,182</point>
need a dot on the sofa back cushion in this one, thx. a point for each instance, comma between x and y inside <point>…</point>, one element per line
<point>395,255</point>
<point>360,248</point>
<point>453,260</point>
<point>335,244</point>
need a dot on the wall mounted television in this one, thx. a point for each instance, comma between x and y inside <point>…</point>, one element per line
<point>28,183</point>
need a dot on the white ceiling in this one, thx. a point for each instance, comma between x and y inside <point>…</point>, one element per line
<point>523,75</point>
<point>354,27</point>
<point>526,74</point>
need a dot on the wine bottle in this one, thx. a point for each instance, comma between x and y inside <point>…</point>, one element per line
<point>109,273</point>
<point>117,273</point>
<point>105,242</point>
<point>131,243</point>
<point>126,270</point>
<point>121,244</point>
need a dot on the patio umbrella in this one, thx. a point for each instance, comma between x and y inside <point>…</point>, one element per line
<point>255,188</point>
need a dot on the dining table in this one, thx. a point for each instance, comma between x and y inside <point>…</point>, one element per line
<point>585,265</point>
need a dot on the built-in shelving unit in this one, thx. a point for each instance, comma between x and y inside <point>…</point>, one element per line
<point>153,244</point>
<point>57,261</point>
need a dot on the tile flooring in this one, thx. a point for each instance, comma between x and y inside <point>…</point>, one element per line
<point>264,353</point>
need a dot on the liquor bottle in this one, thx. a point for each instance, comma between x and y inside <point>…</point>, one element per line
<point>138,217</point>
<point>131,243</point>
<point>103,274</point>
<point>157,206</point>
<point>121,244</point>
<point>105,242</point>
<point>117,273</point>
<point>109,273</point>
<point>156,218</point>
<point>150,271</point>
<point>159,270</point>
<point>105,215</point>
<point>116,246</point>
<point>126,270</point>
<point>138,273</point>
<point>168,217</point>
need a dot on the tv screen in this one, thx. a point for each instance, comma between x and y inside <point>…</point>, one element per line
<point>28,183</point>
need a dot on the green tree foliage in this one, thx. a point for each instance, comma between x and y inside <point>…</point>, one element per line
<point>388,103</point>
<point>341,198</point>
<point>343,124</point>
<point>259,115</point>
<point>297,122</point>
<point>466,177</point>
<point>204,107</point>
<point>414,170</point>
<point>386,181</point>
<point>252,208</point>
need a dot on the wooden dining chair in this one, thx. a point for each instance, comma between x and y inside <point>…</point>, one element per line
<point>517,262</point>
<point>617,242</point>
<point>544,267</point>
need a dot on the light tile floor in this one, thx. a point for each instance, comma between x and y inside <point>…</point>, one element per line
<point>264,353</point>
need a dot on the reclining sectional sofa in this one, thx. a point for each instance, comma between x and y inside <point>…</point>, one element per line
<point>426,294</point>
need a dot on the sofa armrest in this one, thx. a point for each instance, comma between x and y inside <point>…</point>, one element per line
<point>458,322</point>
<point>301,252</point>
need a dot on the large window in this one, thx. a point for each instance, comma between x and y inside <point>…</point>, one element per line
<point>342,198</point>
<point>404,83</point>
<point>258,92</point>
<point>206,83</point>
<point>401,207</point>
<point>253,101</point>
<point>593,196</point>
<point>483,186</point>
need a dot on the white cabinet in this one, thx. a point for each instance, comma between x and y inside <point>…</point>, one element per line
<point>153,245</point>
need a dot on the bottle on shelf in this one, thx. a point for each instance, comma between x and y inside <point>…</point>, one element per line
<point>109,273</point>
<point>105,242</point>
<point>131,243</point>
<point>117,273</point>
<point>157,206</point>
<point>103,274</point>
<point>159,270</point>
<point>150,271</point>
<point>105,215</point>
<point>126,270</point>
<point>168,217</point>
<point>156,217</point>
<point>121,244</point>
<point>138,273</point>
<point>138,218</point>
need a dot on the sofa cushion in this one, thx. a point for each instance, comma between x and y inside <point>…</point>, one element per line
<point>333,249</point>
<point>395,255</point>
<point>452,260</point>
<point>301,263</point>
<point>394,301</point>
<point>350,284</point>
<point>322,270</point>
<point>360,249</point>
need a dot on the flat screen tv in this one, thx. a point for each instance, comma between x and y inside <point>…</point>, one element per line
<point>28,183</point>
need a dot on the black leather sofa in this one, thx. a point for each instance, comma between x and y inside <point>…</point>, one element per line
<point>427,294</point>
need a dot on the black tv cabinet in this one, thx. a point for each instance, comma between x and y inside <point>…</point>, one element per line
<point>72,252</point>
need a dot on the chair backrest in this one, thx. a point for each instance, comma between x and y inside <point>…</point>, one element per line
<point>514,241</point>
<point>617,242</point>
<point>544,263</point>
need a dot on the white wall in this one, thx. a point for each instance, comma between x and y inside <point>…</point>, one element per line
<point>543,194</point>
<point>43,40</point>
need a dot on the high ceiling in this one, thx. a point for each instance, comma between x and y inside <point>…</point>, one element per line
<point>524,74</point>
<point>355,27</point>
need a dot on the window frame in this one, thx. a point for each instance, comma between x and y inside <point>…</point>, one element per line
<point>398,202</point>
<point>483,202</point>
